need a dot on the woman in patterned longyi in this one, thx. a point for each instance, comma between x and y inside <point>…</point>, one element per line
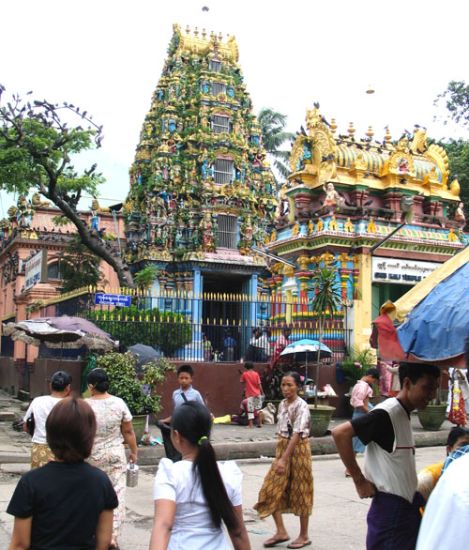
<point>288,486</point>
<point>114,427</point>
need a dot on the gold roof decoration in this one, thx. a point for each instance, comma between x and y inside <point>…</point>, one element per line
<point>321,154</point>
<point>200,43</point>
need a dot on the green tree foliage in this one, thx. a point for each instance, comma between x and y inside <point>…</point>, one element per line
<point>79,267</point>
<point>325,303</point>
<point>456,101</point>
<point>145,278</point>
<point>166,330</point>
<point>36,149</point>
<point>124,382</point>
<point>274,136</point>
<point>458,154</point>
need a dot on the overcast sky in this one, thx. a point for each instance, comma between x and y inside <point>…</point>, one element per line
<point>107,56</point>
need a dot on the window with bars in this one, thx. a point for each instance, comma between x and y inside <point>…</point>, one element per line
<point>218,88</point>
<point>223,171</point>
<point>220,124</point>
<point>214,65</point>
<point>227,231</point>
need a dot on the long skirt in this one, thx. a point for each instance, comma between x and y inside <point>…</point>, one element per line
<point>113,462</point>
<point>291,492</point>
<point>40,455</point>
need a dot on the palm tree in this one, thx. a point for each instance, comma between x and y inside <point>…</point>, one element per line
<point>274,135</point>
<point>145,278</point>
<point>326,301</point>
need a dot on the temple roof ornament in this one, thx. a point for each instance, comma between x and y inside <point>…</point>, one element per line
<point>200,44</point>
<point>320,156</point>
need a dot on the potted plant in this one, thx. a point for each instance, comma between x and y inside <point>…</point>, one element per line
<point>137,390</point>
<point>325,303</point>
<point>433,415</point>
<point>356,363</point>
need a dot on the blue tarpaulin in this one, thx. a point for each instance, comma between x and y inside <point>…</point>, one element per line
<point>437,327</point>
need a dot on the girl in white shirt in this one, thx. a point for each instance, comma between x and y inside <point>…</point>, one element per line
<point>195,496</point>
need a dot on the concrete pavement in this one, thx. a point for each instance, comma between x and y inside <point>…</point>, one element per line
<point>338,520</point>
<point>230,441</point>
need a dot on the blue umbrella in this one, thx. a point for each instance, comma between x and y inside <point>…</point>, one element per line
<point>306,346</point>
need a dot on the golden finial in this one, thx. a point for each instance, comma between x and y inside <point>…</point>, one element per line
<point>220,36</point>
<point>204,33</point>
<point>370,90</point>
<point>387,136</point>
<point>196,31</point>
<point>351,129</point>
<point>333,125</point>
<point>188,29</point>
<point>370,132</point>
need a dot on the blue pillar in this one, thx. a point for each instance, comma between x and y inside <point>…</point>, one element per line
<point>197,286</point>
<point>253,284</point>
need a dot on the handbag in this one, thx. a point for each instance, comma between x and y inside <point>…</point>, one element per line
<point>30,424</point>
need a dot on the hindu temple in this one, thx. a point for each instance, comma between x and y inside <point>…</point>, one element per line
<point>383,213</point>
<point>202,193</point>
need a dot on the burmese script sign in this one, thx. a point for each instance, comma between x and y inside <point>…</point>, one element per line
<point>113,300</point>
<point>403,272</point>
<point>35,269</point>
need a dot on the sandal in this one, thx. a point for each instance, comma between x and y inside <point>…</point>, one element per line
<point>270,543</point>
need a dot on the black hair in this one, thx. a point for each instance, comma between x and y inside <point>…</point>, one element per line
<point>296,377</point>
<point>185,368</point>
<point>99,379</point>
<point>415,371</point>
<point>373,372</point>
<point>193,422</point>
<point>73,444</point>
<point>248,365</point>
<point>454,434</point>
<point>60,380</point>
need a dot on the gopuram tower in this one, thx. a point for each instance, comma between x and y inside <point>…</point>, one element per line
<point>202,193</point>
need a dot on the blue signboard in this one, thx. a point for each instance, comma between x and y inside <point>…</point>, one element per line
<point>113,300</point>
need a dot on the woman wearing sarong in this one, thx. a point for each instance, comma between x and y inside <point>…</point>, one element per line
<point>114,427</point>
<point>288,486</point>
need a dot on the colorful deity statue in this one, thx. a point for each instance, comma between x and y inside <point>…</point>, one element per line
<point>208,237</point>
<point>459,215</point>
<point>333,198</point>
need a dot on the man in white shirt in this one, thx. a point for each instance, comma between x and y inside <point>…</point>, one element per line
<point>390,477</point>
<point>40,408</point>
<point>445,522</point>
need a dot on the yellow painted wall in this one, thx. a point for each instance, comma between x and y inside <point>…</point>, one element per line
<point>362,306</point>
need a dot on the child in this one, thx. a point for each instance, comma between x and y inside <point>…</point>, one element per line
<point>252,392</point>
<point>184,393</point>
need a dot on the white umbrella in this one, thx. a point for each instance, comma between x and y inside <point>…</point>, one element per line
<point>307,346</point>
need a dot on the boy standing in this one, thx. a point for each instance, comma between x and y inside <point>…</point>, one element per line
<point>184,393</point>
<point>252,392</point>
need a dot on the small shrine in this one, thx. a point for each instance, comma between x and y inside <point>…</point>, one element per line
<point>383,212</point>
<point>202,193</point>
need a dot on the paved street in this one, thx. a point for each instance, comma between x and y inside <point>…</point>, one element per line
<point>338,519</point>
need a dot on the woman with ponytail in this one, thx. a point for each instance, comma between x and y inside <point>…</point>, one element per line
<point>195,496</point>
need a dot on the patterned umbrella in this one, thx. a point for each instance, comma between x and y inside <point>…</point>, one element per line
<point>60,332</point>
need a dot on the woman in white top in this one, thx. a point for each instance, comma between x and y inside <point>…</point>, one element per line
<point>40,408</point>
<point>195,496</point>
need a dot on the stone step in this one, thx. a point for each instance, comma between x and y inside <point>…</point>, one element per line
<point>7,416</point>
